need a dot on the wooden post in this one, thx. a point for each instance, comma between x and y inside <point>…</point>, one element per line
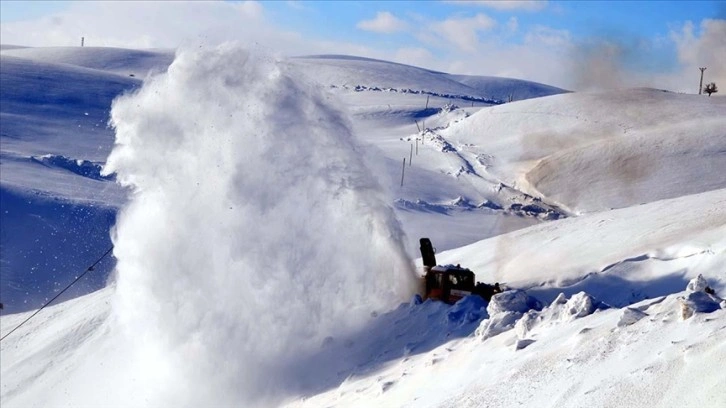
<point>403,170</point>
<point>410,156</point>
<point>82,41</point>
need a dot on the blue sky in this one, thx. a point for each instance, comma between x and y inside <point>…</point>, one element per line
<point>581,18</point>
<point>326,18</point>
<point>538,40</point>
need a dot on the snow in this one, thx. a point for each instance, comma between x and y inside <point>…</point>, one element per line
<point>265,250</point>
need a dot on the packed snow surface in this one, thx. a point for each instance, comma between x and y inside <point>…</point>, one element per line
<point>264,230</point>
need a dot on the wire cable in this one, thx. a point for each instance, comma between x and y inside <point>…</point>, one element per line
<point>90,268</point>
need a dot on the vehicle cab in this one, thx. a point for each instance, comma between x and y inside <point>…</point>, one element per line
<point>449,283</point>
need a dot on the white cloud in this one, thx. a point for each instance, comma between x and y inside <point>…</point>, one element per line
<point>384,22</point>
<point>505,5</point>
<point>142,24</point>
<point>464,32</point>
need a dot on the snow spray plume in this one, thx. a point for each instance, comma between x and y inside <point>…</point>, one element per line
<point>613,59</point>
<point>254,230</point>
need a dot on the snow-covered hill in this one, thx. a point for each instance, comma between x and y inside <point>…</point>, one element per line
<point>267,225</point>
<point>650,145</point>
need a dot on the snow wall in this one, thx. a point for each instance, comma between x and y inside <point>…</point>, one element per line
<point>254,230</point>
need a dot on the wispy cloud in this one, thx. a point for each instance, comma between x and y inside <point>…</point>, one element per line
<point>547,36</point>
<point>464,32</point>
<point>505,5</point>
<point>143,24</point>
<point>384,22</point>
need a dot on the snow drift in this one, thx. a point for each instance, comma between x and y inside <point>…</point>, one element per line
<point>254,230</point>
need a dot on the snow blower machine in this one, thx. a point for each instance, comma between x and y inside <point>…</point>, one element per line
<point>450,283</point>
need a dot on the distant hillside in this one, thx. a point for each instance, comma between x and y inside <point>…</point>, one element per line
<point>504,88</point>
<point>342,70</point>
<point>596,151</point>
<point>120,61</point>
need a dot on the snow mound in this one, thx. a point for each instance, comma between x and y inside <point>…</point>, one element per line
<point>504,310</point>
<point>631,316</point>
<point>579,305</point>
<point>561,310</point>
<point>700,298</point>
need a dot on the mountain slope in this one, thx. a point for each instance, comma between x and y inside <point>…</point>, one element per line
<point>261,245</point>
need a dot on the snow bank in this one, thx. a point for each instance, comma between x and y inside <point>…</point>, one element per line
<point>254,231</point>
<point>515,309</point>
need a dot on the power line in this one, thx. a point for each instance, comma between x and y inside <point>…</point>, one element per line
<point>90,268</point>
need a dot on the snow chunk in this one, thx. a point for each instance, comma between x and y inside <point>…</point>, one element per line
<point>560,310</point>
<point>700,298</point>
<point>580,305</point>
<point>630,316</point>
<point>505,309</point>
<point>512,301</point>
<point>697,284</point>
<point>497,324</point>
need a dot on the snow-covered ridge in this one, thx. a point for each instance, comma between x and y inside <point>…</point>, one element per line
<point>465,98</point>
<point>120,61</point>
<point>351,71</point>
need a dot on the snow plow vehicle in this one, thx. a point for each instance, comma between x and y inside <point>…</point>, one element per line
<point>449,283</point>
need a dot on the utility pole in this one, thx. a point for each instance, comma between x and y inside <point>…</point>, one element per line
<point>700,85</point>
<point>403,170</point>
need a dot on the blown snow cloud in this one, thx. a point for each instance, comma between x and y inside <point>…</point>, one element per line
<point>254,232</point>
